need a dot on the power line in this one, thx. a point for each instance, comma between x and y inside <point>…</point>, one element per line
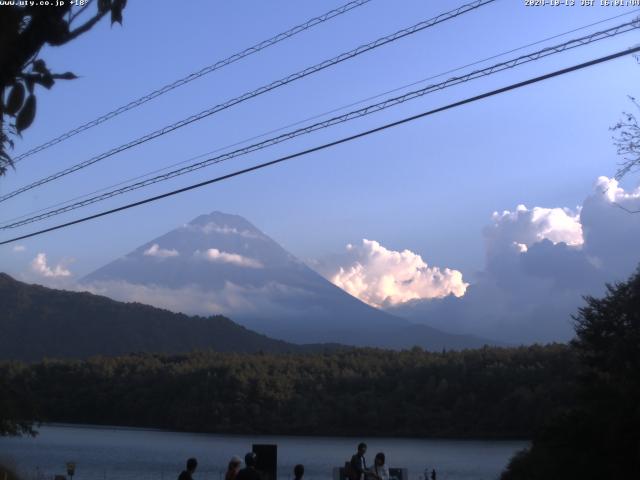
<point>373,108</point>
<point>314,117</point>
<point>200,73</point>
<point>264,89</point>
<point>260,166</point>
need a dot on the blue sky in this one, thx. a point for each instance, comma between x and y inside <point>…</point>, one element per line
<point>430,186</point>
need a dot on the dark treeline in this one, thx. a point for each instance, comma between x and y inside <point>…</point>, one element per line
<point>598,437</point>
<point>489,392</point>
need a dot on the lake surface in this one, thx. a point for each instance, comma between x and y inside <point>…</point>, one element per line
<point>103,453</point>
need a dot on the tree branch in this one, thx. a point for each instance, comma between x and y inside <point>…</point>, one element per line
<point>625,208</point>
<point>82,29</point>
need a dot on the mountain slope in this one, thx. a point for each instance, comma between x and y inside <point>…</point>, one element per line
<point>222,264</point>
<point>38,322</point>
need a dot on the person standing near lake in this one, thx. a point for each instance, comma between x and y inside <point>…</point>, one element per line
<point>233,468</point>
<point>358,463</point>
<point>249,472</point>
<point>298,472</point>
<point>187,474</point>
<point>379,470</point>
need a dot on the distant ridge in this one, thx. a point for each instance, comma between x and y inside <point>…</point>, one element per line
<point>38,322</point>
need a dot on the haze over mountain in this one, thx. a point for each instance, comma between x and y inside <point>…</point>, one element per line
<point>38,322</point>
<point>222,264</point>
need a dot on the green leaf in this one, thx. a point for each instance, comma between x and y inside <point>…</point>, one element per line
<point>15,100</point>
<point>27,114</point>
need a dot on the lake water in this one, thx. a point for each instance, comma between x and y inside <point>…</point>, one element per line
<point>103,453</point>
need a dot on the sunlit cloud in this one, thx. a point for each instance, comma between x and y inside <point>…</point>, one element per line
<point>524,227</point>
<point>611,190</point>
<point>382,277</point>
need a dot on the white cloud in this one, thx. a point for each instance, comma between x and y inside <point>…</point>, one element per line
<point>19,248</point>
<point>612,192</point>
<point>215,255</point>
<point>40,266</point>
<point>523,227</point>
<point>521,247</point>
<point>382,277</point>
<point>155,251</point>
<point>213,227</point>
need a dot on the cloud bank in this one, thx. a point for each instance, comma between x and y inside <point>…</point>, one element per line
<point>236,301</point>
<point>539,264</point>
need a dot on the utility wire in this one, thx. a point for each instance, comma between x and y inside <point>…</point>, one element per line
<point>193,76</point>
<point>373,108</point>
<point>314,117</point>
<point>260,166</point>
<point>264,89</point>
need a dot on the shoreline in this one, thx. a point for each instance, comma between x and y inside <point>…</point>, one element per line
<point>263,435</point>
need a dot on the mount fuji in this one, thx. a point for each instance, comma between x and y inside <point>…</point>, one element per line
<point>222,264</point>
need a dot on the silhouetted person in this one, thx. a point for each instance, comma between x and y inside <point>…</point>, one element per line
<point>233,468</point>
<point>192,464</point>
<point>358,463</point>
<point>249,472</point>
<point>433,474</point>
<point>379,470</point>
<point>298,472</point>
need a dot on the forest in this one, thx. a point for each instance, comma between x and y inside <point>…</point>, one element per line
<point>489,392</point>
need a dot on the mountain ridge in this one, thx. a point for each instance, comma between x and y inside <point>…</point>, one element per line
<point>39,322</point>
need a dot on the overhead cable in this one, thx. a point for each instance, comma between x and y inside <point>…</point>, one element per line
<point>260,166</point>
<point>195,75</point>
<point>246,96</point>
<point>373,108</point>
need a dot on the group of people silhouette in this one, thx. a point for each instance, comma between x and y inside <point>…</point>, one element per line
<point>234,472</point>
<point>356,469</point>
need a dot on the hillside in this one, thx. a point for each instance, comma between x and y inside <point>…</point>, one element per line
<point>38,322</point>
